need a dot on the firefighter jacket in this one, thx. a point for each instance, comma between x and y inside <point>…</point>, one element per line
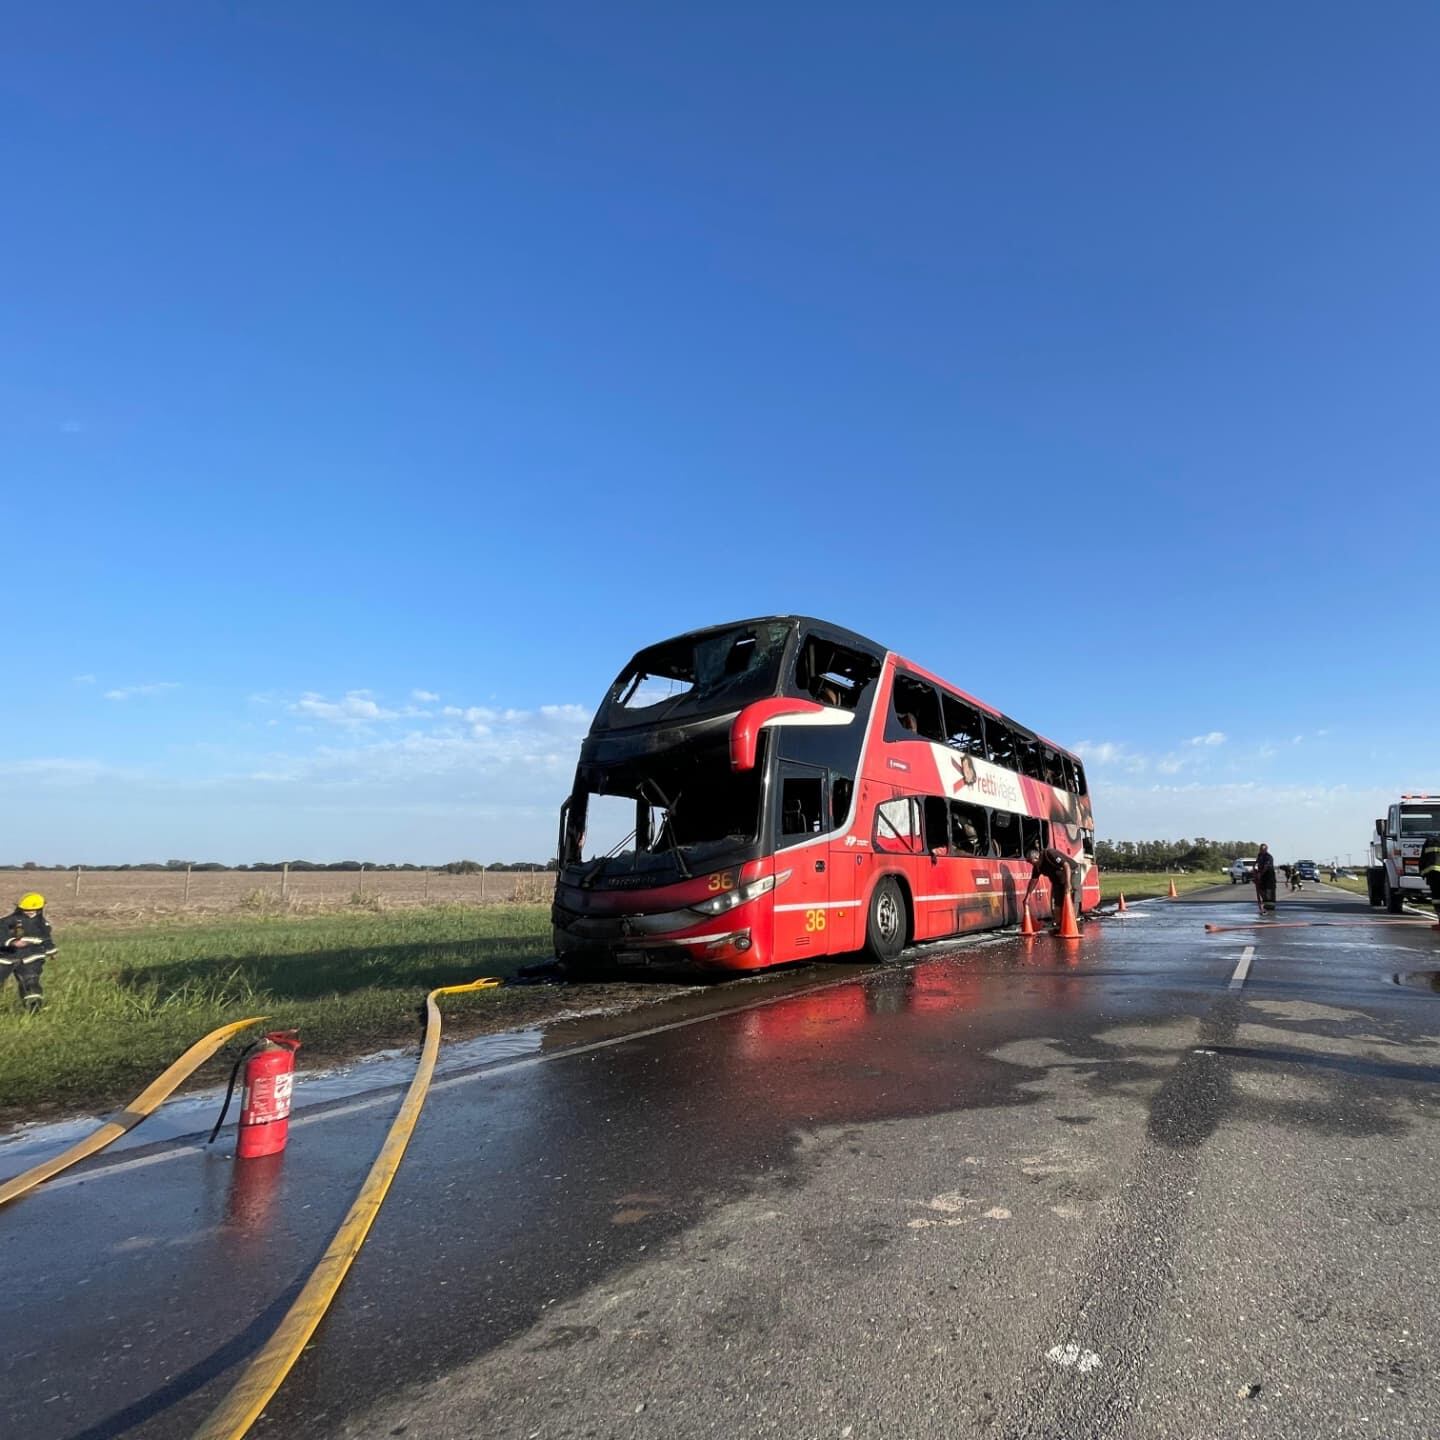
<point>1430,856</point>
<point>21,925</point>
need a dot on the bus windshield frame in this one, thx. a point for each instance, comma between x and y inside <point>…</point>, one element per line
<point>703,673</point>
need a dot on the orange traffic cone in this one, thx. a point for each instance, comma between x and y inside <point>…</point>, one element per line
<point>1174,894</point>
<point>1120,906</point>
<point>1068,930</point>
<point>1027,923</point>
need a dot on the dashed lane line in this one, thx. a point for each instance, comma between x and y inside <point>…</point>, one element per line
<point>1242,970</point>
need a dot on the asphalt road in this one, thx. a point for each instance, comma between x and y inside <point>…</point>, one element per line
<point>1141,1185</point>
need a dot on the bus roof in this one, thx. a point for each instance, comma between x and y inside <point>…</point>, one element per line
<point>862,642</point>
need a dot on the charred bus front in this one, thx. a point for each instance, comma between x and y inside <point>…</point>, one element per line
<point>672,828</point>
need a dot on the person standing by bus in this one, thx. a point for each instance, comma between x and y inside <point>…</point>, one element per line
<point>1264,878</point>
<point>25,945</point>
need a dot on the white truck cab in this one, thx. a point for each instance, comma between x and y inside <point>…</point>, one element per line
<point>1242,870</point>
<point>1393,874</point>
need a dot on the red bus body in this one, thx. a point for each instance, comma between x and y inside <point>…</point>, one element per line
<point>792,768</point>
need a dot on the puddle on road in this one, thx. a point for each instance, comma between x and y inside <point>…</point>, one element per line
<point>195,1113</point>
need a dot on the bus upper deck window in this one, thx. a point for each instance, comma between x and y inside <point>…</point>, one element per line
<point>1055,770</point>
<point>963,727</point>
<point>916,709</point>
<point>833,674</point>
<point>1030,762</point>
<point>1001,743</point>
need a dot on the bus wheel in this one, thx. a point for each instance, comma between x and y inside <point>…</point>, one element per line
<point>885,925</point>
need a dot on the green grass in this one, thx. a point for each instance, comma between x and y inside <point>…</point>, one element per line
<point>122,1002</point>
<point>1358,884</point>
<point>1143,884</point>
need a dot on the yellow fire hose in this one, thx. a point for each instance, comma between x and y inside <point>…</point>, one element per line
<point>145,1103</point>
<point>265,1373</point>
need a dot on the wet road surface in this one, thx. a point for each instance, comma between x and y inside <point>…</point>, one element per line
<point>1142,1185</point>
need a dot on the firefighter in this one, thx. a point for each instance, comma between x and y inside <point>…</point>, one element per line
<point>1060,870</point>
<point>1430,870</point>
<point>25,945</point>
<point>1264,877</point>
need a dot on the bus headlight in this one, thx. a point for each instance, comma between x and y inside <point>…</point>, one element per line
<point>719,904</point>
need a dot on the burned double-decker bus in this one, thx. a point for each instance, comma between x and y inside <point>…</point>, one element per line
<point>776,789</point>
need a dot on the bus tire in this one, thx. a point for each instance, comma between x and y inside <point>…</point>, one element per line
<point>1394,899</point>
<point>885,922</point>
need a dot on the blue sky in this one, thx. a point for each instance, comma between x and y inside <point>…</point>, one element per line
<point>375,379</point>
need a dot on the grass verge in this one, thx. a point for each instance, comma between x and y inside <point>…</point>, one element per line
<point>1146,884</point>
<point>1358,884</point>
<point>121,1002</point>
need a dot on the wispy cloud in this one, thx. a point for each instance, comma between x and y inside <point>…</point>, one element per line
<point>82,679</point>
<point>130,692</point>
<point>1110,755</point>
<point>1210,738</point>
<point>357,707</point>
<point>424,697</point>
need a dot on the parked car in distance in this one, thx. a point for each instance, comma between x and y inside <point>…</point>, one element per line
<point>1241,870</point>
<point>1307,870</point>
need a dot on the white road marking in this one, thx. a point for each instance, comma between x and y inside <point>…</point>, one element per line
<point>1067,1355</point>
<point>1237,980</point>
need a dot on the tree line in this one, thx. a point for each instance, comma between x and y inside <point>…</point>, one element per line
<point>1196,854</point>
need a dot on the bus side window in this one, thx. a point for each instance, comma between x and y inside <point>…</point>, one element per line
<point>801,808</point>
<point>937,823</point>
<point>963,729</point>
<point>1000,741</point>
<point>969,829</point>
<point>832,674</point>
<point>1005,832</point>
<point>842,787</point>
<point>1030,761</point>
<point>1033,832</point>
<point>1080,788</point>
<point>897,826</point>
<point>1053,768</point>
<point>1067,773</point>
<point>916,710</point>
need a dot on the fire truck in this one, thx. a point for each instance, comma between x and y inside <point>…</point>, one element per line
<point>1393,873</point>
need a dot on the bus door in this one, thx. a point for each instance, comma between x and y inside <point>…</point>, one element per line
<point>802,904</point>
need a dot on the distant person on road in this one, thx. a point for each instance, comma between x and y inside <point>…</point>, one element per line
<point>25,945</point>
<point>1264,877</point>
<point>1061,871</point>
<point>1430,871</point>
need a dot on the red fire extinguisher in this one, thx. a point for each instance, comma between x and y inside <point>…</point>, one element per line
<point>265,1101</point>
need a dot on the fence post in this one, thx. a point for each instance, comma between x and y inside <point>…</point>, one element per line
<point>285,880</point>
<point>482,884</point>
<point>78,869</point>
<point>427,887</point>
<point>186,900</point>
<point>361,891</point>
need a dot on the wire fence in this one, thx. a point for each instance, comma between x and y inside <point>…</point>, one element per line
<point>79,892</point>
